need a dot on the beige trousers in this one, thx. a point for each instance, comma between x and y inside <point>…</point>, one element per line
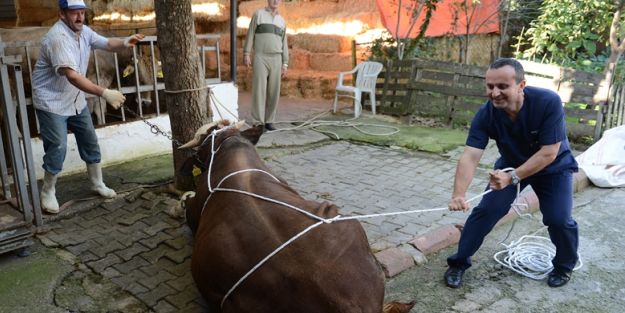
<point>266,86</point>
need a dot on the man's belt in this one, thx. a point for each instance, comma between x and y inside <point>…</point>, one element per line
<point>269,28</point>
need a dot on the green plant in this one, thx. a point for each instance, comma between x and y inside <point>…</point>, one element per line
<point>385,48</point>
<point>569,32</point>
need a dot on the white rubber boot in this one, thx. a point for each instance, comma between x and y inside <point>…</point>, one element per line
<point>48,194</point>
<point>97,185</point>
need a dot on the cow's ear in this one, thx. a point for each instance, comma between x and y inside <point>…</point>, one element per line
<point>253,134</point>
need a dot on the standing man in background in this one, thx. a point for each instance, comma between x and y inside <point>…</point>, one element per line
<point>267,33</point>
<point>60,85</point>
<point>529,127</point>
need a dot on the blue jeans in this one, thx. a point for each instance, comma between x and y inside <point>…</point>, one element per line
<point>555,195</point>
<point>54,129</point>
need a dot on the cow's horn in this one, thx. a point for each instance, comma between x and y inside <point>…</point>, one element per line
<point>239,124</point>
<point>198,134</point>
<point>190,144</point>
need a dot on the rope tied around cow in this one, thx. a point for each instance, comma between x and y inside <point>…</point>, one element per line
<point>320,220</point>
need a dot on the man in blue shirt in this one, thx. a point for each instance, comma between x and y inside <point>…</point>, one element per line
<point>60,85</point>
<point>528,125</point>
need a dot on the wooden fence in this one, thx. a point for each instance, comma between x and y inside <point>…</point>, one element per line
<point>453,92</point>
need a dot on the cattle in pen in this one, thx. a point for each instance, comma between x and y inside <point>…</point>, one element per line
<point>239,222</point>
<point>25,41</point>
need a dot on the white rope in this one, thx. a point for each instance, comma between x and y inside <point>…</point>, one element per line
<point>316,125</point>
<point>530,255</point>
<point>267,258</point>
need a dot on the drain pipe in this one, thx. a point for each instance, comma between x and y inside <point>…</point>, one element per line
<point>233,41</point>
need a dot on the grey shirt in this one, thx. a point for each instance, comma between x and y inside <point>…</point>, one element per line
<point>62,47</point>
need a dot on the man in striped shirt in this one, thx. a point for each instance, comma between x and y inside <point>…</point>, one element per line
<point>60,85</point>
<point>267,33</point>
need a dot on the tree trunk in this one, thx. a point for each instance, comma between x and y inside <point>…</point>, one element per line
<point>617,47</point>
<point>186,100</point>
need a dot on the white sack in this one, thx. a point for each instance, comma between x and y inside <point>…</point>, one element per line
<point>604,161</point>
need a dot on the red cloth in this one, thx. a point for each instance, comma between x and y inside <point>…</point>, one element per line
<point>484,18</point>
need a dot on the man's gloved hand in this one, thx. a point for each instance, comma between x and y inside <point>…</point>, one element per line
<point>114,98</point>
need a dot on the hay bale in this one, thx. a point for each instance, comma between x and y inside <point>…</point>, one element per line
<point>331,61</point>
<point>299,59</point>
<point>34,12</point>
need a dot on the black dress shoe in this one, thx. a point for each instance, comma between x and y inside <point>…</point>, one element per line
<point>269,126</point>
<point>558,279</point>
<point>453,277</point>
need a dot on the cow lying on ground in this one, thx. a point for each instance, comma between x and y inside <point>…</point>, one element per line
<point>328,269</point>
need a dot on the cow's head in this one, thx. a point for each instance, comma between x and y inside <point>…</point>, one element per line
<point>209,137</point>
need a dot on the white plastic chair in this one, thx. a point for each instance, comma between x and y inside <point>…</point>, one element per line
<point>366,77</point>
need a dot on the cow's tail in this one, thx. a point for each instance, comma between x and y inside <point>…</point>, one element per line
<point>179,209</point>
<point>398,307</point>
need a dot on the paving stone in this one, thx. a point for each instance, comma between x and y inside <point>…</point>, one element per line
<point>156,228</point>
<point>101,264</point>
<point>129,283</point>
<point>130,252</point>
<point>153,296</point>
<point>79,248</point>
<point>46,241</point>
<point>114,204</point>
<point>153,241</point>
<point>151,281</point>
<point>183,282</point>
<point>194,307</point>
<point>91,214</point>
<point>103,250</point>
<point>180,255</point>
<point>112,216</point>
<point>182,299</point>
<point>164,307</point>
<point>177,243</point>
<point>131,218</point>
<point>437,239</point>
<point>134,264</point>
<point>110,272</point>
<point>418,257</point>
<point>394,261</point>
<point>155,255</point>
<point>88,257</point>
<point>177,269</point>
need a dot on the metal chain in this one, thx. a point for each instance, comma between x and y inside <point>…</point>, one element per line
<point>154,128</point>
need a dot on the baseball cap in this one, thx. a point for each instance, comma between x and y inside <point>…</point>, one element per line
<point>72,4</point>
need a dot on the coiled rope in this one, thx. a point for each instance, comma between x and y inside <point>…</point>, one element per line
<point>530,256</point>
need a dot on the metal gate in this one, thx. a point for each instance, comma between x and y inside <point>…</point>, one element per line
<point>19,199</point>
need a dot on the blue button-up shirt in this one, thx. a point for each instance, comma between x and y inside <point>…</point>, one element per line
<point>62,47</point>
<point>540,122</point>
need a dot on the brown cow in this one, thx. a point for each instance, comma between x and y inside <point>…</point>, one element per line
<point>328,269</point>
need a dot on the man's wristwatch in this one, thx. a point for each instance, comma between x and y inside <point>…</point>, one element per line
<point>515,177</point>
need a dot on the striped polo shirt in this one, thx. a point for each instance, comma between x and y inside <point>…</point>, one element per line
<point>62,47</point>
